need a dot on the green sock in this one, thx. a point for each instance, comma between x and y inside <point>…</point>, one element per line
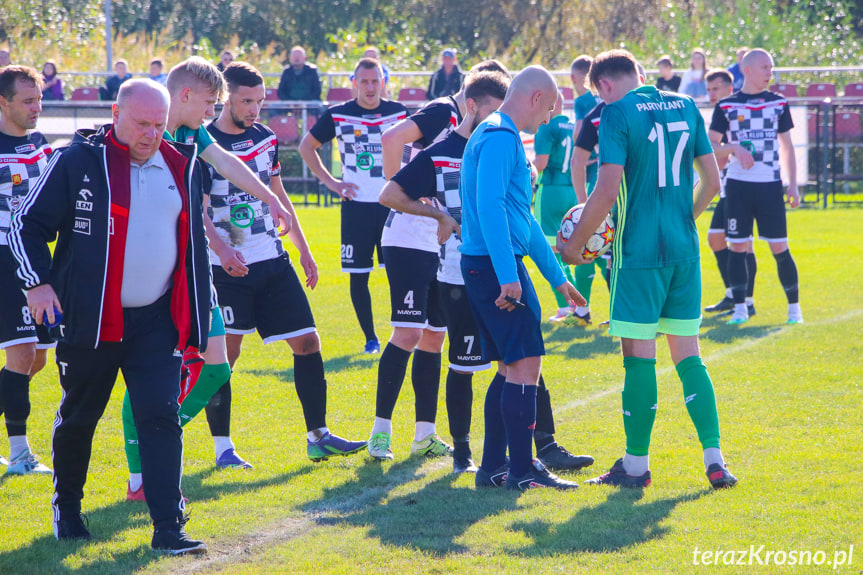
<point>639,403</point>
<point>561,301</point>
<point>211,379</point>
<point>584,280</point>
<point>130,437</point>
<point>700,400</point>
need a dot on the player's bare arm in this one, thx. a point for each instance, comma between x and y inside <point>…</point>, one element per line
<point>309,154</point>
<point>393,142</point>
<point>297,237</point>
<point>236,172</point>
<point>578,172</point>
<point>541,162</point>
<point>572,295</point>
<point>708,183</point>
<point>724,151</point>
<point>393,196</point>
<point>232,260</point>
<point>788,161</point>
<point>598,206</point>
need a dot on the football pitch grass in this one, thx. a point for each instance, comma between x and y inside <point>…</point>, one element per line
<point>790,400</point>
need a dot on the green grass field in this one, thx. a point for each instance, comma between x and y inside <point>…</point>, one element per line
<point>790,400</point>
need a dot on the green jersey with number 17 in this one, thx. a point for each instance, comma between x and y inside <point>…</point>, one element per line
<point>655,136</point>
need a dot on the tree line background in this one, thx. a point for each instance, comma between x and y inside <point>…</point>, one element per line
<point>410,33</point>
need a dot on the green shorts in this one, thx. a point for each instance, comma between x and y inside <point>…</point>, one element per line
<point>645,302</point>
<point>552,203</point>
<point>217,324</point>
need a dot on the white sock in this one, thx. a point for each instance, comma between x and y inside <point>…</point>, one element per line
<point>713,455</point>
<point>750,301</point>
<point>740,309</point>
<point>582,310</point>
<point>317,434</point>
<point>222,444</point>
<point>563,311</point>
<point>382,425</point>
<point>636,465</point>
<point>728,293</point>
<point>17,445</point>
<point>793,309</point>
<point>423,429</point>
<point>135,481</point>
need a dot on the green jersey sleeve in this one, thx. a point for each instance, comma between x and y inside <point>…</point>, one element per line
<point>543,141</point>
<point>200,136</point>
<point>613,136</point>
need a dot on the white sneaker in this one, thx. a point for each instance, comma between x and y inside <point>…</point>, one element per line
<point>562,314</point>
<point>795,317</point>
<point>3,460</point>
<point>25,464</point>
<point>379,446</point>
<point>738,317</point>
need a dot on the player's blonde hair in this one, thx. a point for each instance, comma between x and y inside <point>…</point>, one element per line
<point>194,72</point>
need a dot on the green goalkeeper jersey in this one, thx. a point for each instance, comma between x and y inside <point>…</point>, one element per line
<point>655,136</point>
<point>555,139</point>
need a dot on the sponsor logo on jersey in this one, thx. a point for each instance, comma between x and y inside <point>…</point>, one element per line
<point>358,133</point>
<point>14,203</point>
<point>25,148</point>
<point>86,178</point>
<point>82,226</point>
<point>84,206</point>
<point>409,312</point>
<point>660,106</point>
<point>242,145</point>
<point>365,161</point>
<point>470,358</point>
<point>17,179</point>
<point>85,194</point>
<point>242,215</point>
<point>190,139</point>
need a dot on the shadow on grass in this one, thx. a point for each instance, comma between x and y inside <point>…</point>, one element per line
<point>613,525</point>
<point>331,365</point>
<point>47,555</point>
<point>718,331</point>
<point>579,343</point>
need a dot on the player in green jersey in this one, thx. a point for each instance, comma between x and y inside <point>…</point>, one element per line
<point>649,141</point>
<point>554,196</point>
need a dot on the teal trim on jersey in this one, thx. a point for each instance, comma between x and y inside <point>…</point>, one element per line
<point>217,323</point>
<point>681,327</point>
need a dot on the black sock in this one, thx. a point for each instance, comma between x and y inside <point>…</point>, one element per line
<point>751,269</point>
<point>361,297</point>
<point>607,274</point>
<point>494,442</point>
<point>737,276</point>
<point>544,416</point>
<point>425,376</point>
<point>788,275</point>
<point>722,262</point>
<point>15,390</point>
<point>459,399</point>
<point>311,389</point>
<point>219,412</point>
<point>391,375</point>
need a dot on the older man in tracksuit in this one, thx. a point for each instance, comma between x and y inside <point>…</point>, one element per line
<point>130,275</point>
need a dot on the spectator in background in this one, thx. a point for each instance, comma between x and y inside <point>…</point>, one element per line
<point>52,86</point>
<point>447,80</point>
<point>225,60</point>
<point>300,80</point>
<point>736,69</point>
<point>156,74</point>
<point>692,83</point>
<point>5,59</point>
<point>113,83</point>
<point>668,80</point>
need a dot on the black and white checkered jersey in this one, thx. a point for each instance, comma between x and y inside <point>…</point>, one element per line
<point>588,136</point>
<point>754,121</point>
<point>359,131</point>
<point>242,220</point>
<point>435,121</point>
<point>434,173</point>
<point>22,161</point>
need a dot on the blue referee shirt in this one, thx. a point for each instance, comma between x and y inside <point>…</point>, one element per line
<point>496,195</point>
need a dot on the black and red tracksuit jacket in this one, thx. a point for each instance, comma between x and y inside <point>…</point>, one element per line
<point>73,201</point>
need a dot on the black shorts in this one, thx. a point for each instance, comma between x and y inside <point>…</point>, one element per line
<point>717,222</point>
<point>17,326</point>
<point>465,348</point>
<point>748,202</point>
<point>413,288</point>
<point>270,299</point>
<point>362,226</point>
